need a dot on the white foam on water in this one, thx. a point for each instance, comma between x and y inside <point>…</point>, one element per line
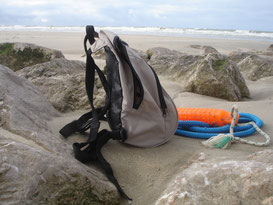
<point>160,31</point>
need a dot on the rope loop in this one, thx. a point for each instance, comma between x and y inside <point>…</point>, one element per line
<point>225,140</point>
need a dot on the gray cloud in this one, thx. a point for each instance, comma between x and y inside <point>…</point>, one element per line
<point>224,14</point>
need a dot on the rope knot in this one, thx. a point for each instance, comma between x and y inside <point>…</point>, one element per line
<point>225,140</point>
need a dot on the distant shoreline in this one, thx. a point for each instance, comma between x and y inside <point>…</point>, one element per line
<point>71,43</point>
<point>157,31</point>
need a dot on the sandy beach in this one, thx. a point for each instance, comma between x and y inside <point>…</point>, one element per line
<point>145,173</point>
<point>71,43</point>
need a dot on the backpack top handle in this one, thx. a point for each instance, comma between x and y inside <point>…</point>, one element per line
<point>91,34</point>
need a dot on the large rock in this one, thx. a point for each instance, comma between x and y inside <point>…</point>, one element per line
<point>214,75</point>
<point>63,83</point>
<point>169,62</point>
<point>238,56</point>
<point>19,55</point>
<point>209,49</point>
<point>157,52</point>
<point>269,51</point>
<point>31,174</point>
<point>211,74</point>
<point>206,49</point>
<point>37,167</point>
<point>246,182</point>
<point>255,67</point>
<point>23,109</point>
<point>270,48</point>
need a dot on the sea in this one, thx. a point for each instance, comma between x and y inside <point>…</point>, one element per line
<point>159,31</point>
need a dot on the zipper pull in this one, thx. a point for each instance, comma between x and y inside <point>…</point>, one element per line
<point>164,112</point>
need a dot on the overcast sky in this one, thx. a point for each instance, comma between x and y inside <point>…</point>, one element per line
<point>218,14</point>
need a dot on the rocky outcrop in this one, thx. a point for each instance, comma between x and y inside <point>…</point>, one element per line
<point>23,109</point>
<point>160,51</point>
<point>32,175</point>
<point>255,67</point>
<point>269,51</point>
<point>270,48</point>
<point>169,62</point>
<point>63,83</point>
<point>248,181</point>
<point>211,74</point>
<point>214,75</point>
<point>37,167</point>
<point>19,55</point>
<point>238,56</point>
<point>206,49</point>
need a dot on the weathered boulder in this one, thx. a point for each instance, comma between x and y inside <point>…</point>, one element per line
<point>32,175</point>
<point>269,51</point>
<point>219,181</point>
<point>169,62</point>
<point>214,75</point>
<point>62,81</point>
<point>206,49</point>
<point>270,48</point>
<point>23,109</point>
<point>209,49</point>
<point>255,67</point>
<point>37,167</point>
<point>19,55</point>
<point>211,74</point>
<point>160,51</point>
<point>238,56</point>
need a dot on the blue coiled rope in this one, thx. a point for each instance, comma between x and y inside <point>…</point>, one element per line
<point>201,130</point>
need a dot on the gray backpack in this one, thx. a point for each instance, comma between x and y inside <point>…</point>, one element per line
<point>138,110</point>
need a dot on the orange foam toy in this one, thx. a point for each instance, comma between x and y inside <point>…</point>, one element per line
<point>211,116</point>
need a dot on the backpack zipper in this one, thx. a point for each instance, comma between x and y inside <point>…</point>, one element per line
<point>160,94</point>
<point>138,87</point>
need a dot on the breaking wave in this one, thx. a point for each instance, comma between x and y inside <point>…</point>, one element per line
<point>161,31</point>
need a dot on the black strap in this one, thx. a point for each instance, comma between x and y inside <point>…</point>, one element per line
<point>89,84</point>
<point>96,140</point>
<point>91,151</point>
<point>82,124</point>
<point>102,140</point>
<point>91,119</point>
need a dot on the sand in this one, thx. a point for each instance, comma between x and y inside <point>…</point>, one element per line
<point>71,43</point>
<point>145,173</point>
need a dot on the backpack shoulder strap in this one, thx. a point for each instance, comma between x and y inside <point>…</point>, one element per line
<point>90,119</point>
<point>82,124</point>
<point>92,152</point>
<point>91,149</point>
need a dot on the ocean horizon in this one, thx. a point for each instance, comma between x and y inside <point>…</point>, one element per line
<point>158,31</point>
